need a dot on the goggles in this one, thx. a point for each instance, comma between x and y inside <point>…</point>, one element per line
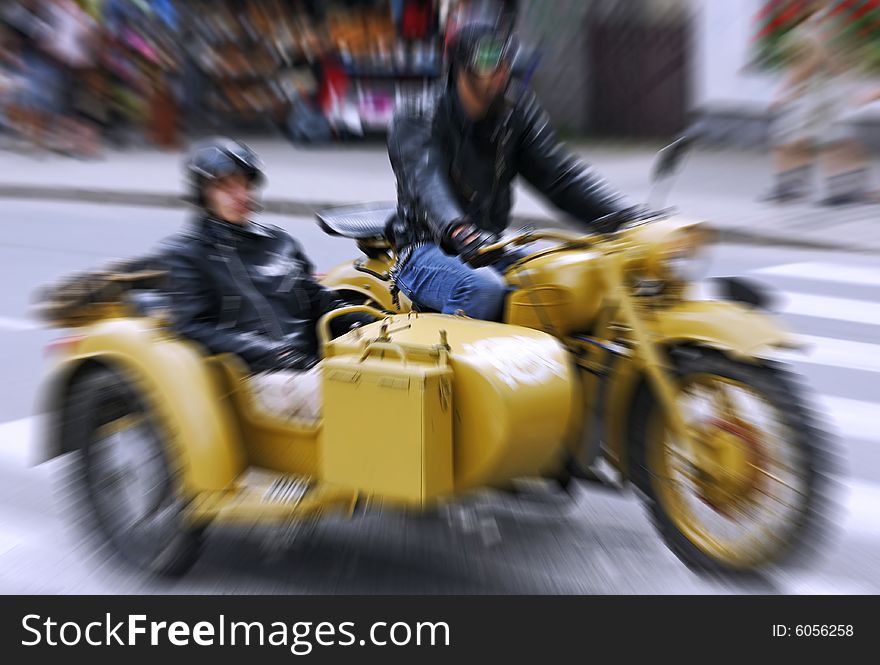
<point>489,54</point>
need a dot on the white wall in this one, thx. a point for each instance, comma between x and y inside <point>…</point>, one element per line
<point>723,31</point>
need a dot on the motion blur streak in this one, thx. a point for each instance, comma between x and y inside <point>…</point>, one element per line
<point>99,99</point>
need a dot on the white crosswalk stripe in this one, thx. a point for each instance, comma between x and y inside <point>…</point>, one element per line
<point>824,350</point>
<point>9,540</point>
<point>826,272</point>
<point>850,418</point>
<point>17,441</point>
<point>861,504</point>
<point>828,307</point>
<point>835,352</point>
<point>799,301</point>
<point>18,325</point>
<point>807,304</point>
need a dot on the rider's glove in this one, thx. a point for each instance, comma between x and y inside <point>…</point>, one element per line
<point>466,240</point>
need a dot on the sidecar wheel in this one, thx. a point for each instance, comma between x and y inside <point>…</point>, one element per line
<point>124,475</point>
<point>756,495</point>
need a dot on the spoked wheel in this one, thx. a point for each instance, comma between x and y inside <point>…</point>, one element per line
<point>125,475</point>
<point>751,493</point>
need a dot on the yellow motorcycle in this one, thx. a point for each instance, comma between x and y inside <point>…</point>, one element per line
<point>602,356</point>
<point>679,395</point>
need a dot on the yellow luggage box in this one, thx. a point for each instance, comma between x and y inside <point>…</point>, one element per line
<point>388,425</point>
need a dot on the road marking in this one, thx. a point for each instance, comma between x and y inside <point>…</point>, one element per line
<point>17,441</point>
<point>851,418</point>
<point>7,323</point>
<point>820,583</point>
<point>805,304</point>
<point>9,541</point>
<point>836,352</point>
<point>826,272</point>
<point>862,516</point>
<point>827,307</point>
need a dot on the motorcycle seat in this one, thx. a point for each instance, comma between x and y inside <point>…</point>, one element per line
<point>363,220</point>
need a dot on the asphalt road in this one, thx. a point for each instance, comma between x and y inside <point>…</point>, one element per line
<point>598,543</point>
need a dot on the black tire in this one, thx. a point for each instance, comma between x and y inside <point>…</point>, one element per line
<point>781,390</point>
<point>159,540</point>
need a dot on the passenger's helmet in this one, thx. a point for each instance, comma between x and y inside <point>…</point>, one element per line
<point>218,157</point>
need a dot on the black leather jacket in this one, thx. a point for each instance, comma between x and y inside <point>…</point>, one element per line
<point>248,291</point>
<point>450,168</point>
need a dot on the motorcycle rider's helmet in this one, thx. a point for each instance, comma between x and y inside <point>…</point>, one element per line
<point>483,39</point>
<point>218,157</point>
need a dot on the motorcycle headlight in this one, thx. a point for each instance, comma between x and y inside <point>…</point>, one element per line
<point>685,256</point>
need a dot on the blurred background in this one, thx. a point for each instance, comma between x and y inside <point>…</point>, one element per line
<point>150,72</point>
<point>99,99</point>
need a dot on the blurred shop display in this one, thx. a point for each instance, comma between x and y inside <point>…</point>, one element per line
<point>241,48</point>
<point>318,70</point>
<point>89,68</point>
<point>141,58</point>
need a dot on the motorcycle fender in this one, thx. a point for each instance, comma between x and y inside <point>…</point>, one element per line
<point>347,278</point>
<point>185,395</point>
<point>738,330</point>
<point>742,331</point>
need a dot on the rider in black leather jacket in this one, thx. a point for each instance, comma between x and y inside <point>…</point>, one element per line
<point>238,286</point>
<point>455,164</point>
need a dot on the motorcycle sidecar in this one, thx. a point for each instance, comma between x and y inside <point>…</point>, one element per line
<point>417,409</point>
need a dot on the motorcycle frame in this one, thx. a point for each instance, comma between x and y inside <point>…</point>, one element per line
<point>634,337</point>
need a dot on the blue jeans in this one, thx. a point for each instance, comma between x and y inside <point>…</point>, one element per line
<point>432,279</point>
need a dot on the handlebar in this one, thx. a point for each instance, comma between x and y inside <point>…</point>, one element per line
<point>574,239</point>
<point>534,236</point>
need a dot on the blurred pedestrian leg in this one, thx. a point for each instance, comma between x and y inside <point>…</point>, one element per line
<point>846,160</point>
<point>793,171</point>
<point>847,169</point>
<point>814,110</point>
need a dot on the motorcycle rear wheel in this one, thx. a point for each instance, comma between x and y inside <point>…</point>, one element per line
<point>768,480</point>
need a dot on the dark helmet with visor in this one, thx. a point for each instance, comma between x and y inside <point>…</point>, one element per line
<point>219,157</point>
<point>484,41</point>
